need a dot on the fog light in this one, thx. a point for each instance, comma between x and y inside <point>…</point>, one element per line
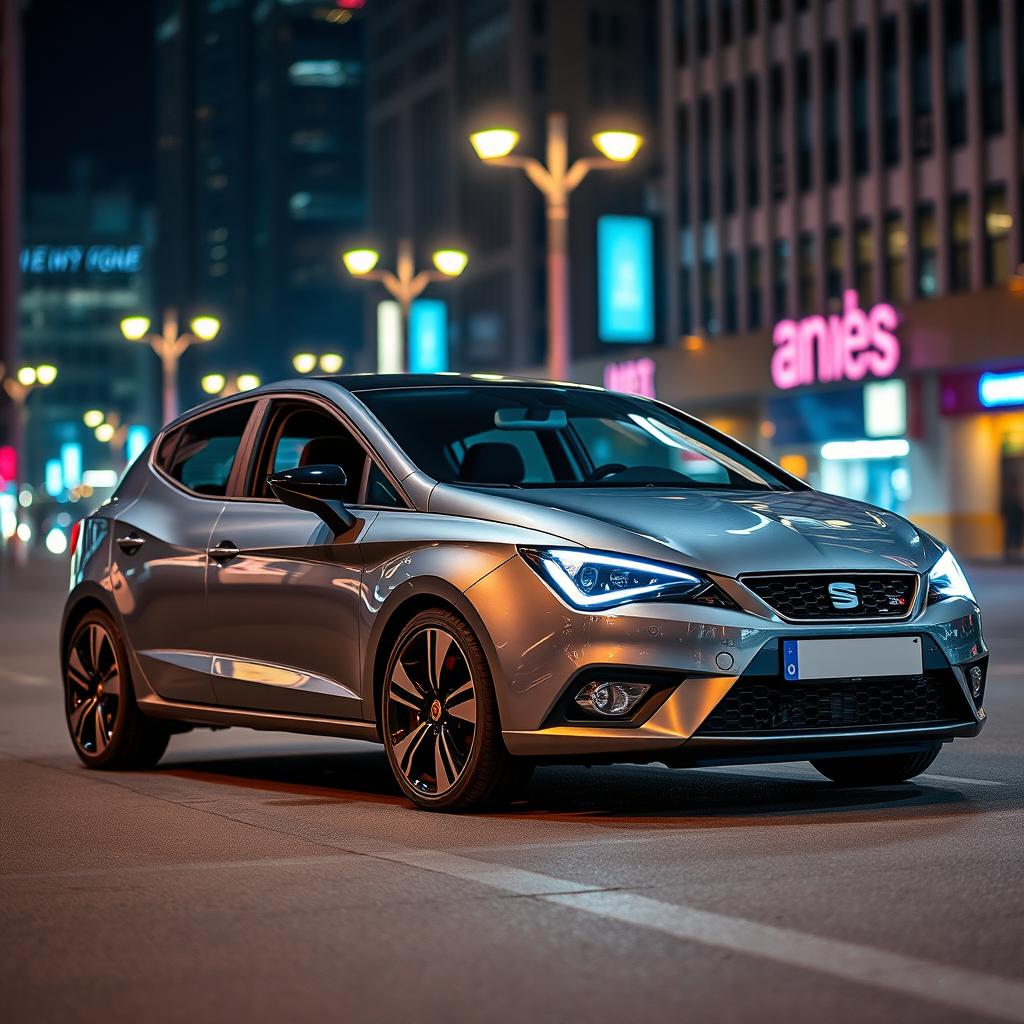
<point>611,699</point>
<point>977,677</point>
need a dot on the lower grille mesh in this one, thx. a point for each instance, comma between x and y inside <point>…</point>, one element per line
<point>765,706</point>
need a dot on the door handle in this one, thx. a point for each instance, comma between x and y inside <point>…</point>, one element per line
<point>223,552</point>
<point>130,543</point>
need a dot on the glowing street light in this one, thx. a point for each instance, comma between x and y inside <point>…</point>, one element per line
<point>329,362</point>
<point>169,346</point>
<point>93,418</point>
<point>108,428</point>
<point>556,179</point>
<point>222,385</point>
<point>405,284</point>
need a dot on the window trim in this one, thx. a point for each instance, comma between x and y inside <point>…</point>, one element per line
<point>240,456</point>
<point>250,453</point>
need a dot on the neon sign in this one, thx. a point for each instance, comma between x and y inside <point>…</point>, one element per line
<point>845,346</point>
<point>631,377</point>
<point>995,389</point>
<point>72,259</point>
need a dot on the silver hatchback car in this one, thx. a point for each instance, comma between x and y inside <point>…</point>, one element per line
<point>484,574</point>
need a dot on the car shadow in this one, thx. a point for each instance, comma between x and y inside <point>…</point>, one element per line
<point>620,796</point>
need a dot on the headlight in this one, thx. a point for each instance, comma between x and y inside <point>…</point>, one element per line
<point>947,579</point>
<point>587,579</point>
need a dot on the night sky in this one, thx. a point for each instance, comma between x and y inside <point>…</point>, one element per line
<point>89,92</point>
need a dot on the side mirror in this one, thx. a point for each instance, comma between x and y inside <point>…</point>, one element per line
<point>318,489</point>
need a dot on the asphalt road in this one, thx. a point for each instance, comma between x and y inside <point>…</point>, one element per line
<point>266,877</point>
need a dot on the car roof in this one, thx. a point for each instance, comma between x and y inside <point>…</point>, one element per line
<point>357,382</point>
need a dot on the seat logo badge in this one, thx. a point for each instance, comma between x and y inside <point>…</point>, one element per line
<point>843,595</point>
<point>435,711</point>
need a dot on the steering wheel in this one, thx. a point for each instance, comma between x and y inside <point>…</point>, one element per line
<point>608,469</point>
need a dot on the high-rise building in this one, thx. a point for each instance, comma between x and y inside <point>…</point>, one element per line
<point>261,175</point>
<point>439,71</point>
<point>843,245</point>
<point>85,263</point>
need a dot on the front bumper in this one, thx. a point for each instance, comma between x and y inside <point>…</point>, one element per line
<point>541,649</point>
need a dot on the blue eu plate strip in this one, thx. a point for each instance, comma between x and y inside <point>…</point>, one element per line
<point>790,659</point>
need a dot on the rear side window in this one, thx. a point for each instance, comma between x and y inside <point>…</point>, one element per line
<point>200,454</point>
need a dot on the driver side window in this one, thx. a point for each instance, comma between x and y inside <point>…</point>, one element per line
<point>305,435</point>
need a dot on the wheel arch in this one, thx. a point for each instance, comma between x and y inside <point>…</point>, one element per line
<point>88,597</point>
<point>414,597</point>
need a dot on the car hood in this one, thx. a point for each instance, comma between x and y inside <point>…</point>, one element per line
<point>728,532</point>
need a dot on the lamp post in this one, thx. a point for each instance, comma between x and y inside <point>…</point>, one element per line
<point>307,362</point>
<point>405,284</point>
<point>556,180</point>
<point>108,428</point>
<point>169,346</point>
<point>19,386</point>
<point>221,385</point>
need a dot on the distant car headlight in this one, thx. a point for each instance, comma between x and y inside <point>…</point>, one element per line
<point>589,579</point>
<point>947,579</point>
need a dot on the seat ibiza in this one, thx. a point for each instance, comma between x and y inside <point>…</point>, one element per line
<point>486,574</point>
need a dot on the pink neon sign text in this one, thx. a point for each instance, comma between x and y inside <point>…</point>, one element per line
<point>632,376</point>
<point>844,346</point>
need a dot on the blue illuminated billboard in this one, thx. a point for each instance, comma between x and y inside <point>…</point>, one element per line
<point>428,336</point>
<point>625,279</point>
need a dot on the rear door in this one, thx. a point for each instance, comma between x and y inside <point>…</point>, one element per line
<point>158,567</point>
<point>283,598</point>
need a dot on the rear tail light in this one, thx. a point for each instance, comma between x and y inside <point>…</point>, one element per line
<point>76,530</point>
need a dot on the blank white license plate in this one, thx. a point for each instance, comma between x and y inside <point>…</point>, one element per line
<point>843,659</point>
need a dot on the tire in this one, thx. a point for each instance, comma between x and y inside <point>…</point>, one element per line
<point>106,727</point>
<point>876,770</point>
<point>439,719</point>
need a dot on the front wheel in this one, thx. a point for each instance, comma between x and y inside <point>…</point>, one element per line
<point>440,718</point>
<point>106,726</point>
<point>876,770</point>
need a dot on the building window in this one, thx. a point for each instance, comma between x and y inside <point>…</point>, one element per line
<point>755,288</point>
<point>863,261</point>
<point>804,131</point>
<point>703,28</point>
<point>728,137</point>
<point>833,264</point>
<point>775,10</point>
<point>921,81</point>
<point>777,131</point>
<point>860,143</point>
<point>956,74</point>
<point>686,320</point>
<point>895,258</point>
<point>704,156</point>
<point>830,114</point>
<point>682,32</point>
<point>780,282</point>
<point>890,93</point>
<point>808,280</point>
<point>708,271</point>
<point>750,15</point>
<point>959,244</point>
<point>730,317</point>
<point>725,22</point>
<point>998,222</point>
<point>927,233</point>
<point>990,44</point>
<point>683,170</point>
<point>752,143</point>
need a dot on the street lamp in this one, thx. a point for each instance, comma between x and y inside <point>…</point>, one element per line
<point>556,181</point>
<point>219,384</point>
<point>307,362</point>
<point>108,428</point>
<point>19,386</point>
<point>405,284</point>
<point>169,346</point>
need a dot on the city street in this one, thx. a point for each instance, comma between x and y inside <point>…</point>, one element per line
<point>278,878</point>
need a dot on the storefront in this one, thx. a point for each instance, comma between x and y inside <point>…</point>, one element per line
<point>920,410</point>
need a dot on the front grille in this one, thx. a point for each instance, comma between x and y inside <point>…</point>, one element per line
<point>767,706</point>
<point>806,597</point>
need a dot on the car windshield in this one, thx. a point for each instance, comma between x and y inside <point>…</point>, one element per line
<point>523,436</point>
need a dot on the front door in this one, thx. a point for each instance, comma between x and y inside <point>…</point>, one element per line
<point>282,592</point>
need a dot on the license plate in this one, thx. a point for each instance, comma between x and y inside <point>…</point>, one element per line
<point>845,659</point>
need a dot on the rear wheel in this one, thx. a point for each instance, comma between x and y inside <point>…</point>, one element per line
<point>106,726</point>
<point>440,718</point>
<point>876,770</point>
